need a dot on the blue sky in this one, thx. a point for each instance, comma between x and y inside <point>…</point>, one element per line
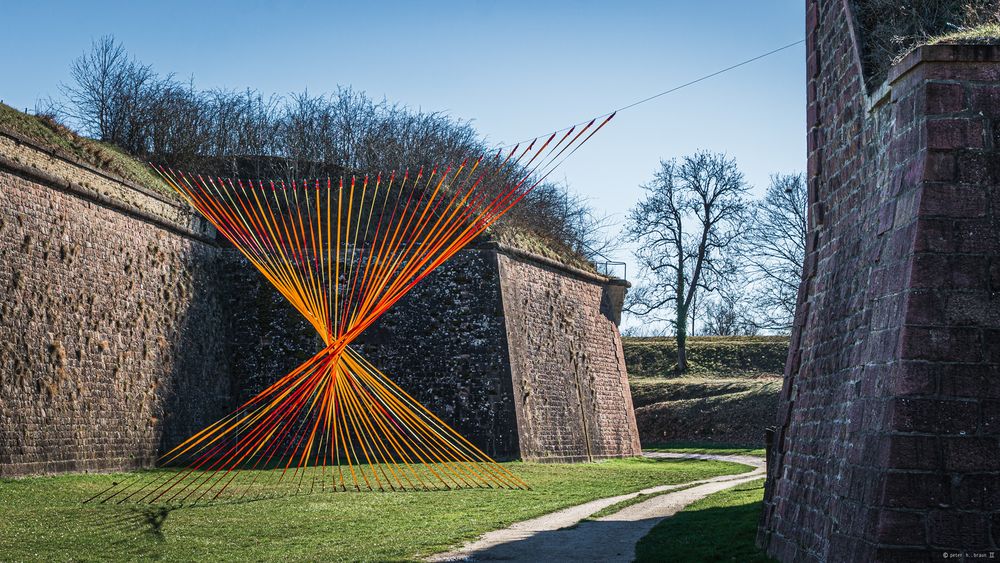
<point>518,69</point>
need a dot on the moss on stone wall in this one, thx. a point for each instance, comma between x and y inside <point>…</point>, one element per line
<point>53,136</point>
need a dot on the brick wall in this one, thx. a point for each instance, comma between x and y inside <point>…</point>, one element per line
<point>887,443</point>
<point>570,387</point>
<point>444,343</point>
<point>520,354</point>
<point>125,328</point>
<point>111,331</point>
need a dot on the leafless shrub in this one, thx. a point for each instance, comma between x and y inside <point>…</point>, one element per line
<point>888,29</point>
<point>726,315</point>
<point>245,134</point>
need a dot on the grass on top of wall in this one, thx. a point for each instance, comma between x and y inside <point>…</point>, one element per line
<point>987,34</point>
<point>50,134</point>
<point>42,518</point>
<point>539,245</point>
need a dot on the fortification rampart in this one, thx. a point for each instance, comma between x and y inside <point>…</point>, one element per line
<point>112,332</point>
<point>888,446</point>
<point>126,327</point>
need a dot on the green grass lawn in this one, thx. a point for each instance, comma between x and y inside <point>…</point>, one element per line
<point>704,448</point>
<point>719,527</point>
<point>42,519</point>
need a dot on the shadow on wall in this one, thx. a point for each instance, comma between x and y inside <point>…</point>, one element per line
<point>265,338</point>
<point>193,392</point>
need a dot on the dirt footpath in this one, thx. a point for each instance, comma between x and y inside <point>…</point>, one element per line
<point>562,536</point>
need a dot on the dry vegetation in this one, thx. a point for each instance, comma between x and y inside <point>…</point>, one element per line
<point>986,34</point>
<point>50,134</point>
<point>244,133</point>
<point>889,29</point>
<point>728,397</point>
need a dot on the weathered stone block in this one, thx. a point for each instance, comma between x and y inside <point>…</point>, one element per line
<point>944,97</point>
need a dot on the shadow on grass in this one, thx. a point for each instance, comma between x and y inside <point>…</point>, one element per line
<point>588,540</point>
<point>720,527</point>
<point>128,533</point>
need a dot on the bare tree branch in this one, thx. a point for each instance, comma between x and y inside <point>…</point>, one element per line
<point>692,213</point>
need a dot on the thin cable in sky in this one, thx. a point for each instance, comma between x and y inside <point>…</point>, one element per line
<point>676,88</point>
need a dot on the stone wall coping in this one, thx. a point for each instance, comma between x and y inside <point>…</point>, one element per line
<point>943,53</point>
<point>565,268</point>
<point>65,157</point>
<point>94,196</point>
<point>939,53</point>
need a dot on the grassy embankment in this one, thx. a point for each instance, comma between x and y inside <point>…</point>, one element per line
<point>42,518</point>
<point>727,397</point>
<point>103,156</point>
<point>106,157</point>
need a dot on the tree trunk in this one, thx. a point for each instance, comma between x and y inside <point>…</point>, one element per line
<point>681,326</point>
<point>682,364</point>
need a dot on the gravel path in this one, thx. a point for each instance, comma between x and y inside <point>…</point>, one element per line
<point>561,536</point>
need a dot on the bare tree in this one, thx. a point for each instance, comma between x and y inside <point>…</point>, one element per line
<point>108,94</point>
<point>730,312</point>
<point>238,133</point>
<point>721,318</point>
<point>691,214</point>
<point>774,249</point>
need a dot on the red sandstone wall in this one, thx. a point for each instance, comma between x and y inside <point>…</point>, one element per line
<point>888,445</point>
<point>109,333</point>
<point>570,387</point>
<point>124,329</point>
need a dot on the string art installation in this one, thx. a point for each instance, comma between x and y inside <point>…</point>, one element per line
<point>342,252</point>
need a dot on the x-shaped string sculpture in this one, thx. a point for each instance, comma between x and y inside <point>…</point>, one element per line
<point>342,254</point>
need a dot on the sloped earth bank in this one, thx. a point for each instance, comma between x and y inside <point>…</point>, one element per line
<point>728,396</point>
<point>726,410</point>
<point>565,536</point>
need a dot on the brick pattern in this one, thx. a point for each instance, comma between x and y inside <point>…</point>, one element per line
<point>445,344</point>
<point>124,329</point>
<point>111,340</point>
<point>887,445</point>
<point>570,387</point>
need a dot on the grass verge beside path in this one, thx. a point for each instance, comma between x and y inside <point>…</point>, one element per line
<point>41,519</point>
<point>704,448</point>
<point>719,527</point>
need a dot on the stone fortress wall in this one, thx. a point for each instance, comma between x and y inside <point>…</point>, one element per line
<point>887,444</point>
<point>125,326</point>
